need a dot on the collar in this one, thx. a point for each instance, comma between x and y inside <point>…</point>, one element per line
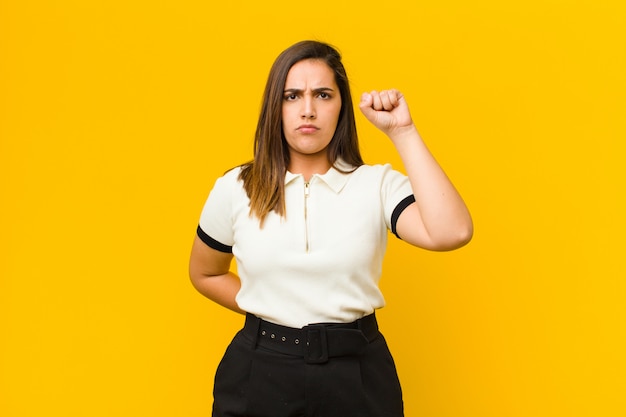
<point>333,178</point>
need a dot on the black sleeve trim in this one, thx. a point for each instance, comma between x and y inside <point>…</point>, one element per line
<point>398,210</point>
<point>212,243</point>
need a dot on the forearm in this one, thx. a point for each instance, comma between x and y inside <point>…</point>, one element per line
<point>444,215</point>
<point>221,289</point>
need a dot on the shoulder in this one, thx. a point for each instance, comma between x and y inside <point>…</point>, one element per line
<point>378,171</point>
<point>375,178</point>
<point>393,184</point>
<point>374,168</point>
<point>227,187</point>
<point>230,178</point>
<point>233,174</point>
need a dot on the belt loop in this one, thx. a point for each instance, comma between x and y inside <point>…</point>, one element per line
<point>255,324</point>
<point>369,326</point>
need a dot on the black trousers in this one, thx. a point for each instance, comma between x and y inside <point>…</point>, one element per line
<point>322,370</point>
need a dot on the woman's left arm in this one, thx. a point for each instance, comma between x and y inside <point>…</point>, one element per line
<point>439,219</point>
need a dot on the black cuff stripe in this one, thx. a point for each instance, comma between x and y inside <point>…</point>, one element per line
<point>398,210</point>
<point>212,243</point>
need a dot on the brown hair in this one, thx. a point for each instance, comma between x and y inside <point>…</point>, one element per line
<point>264,177</point>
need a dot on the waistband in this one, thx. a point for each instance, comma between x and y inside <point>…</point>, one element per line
<point>315,343</point>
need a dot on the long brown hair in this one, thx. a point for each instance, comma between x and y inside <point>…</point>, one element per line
<point>264,177</point>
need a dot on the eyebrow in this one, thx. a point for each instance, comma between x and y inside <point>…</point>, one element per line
<point>315,90</point>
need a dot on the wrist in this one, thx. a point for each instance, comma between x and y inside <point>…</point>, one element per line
<point>403,134</point>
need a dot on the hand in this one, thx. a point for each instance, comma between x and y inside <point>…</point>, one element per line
<point>387,110</point>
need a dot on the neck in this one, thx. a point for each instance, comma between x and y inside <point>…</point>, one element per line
<point>309,165</point>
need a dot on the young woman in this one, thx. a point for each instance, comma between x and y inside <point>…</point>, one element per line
<point>307,222</point>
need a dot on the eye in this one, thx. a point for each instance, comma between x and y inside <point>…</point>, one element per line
<point>290,97</point>
<point>324,96</point>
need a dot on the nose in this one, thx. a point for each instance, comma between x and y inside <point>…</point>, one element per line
<point>308,108</point>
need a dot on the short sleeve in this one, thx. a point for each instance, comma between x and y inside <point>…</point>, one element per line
<point>216,220</point>
<point>396,195</point>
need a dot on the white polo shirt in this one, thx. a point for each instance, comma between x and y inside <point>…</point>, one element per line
<point>323,261</point>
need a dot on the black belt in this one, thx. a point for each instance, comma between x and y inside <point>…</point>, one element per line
<point>315,342</point>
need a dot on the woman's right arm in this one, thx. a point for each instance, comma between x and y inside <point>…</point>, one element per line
<point>209,270</point>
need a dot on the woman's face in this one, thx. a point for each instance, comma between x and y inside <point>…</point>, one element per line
<point>311,107</point>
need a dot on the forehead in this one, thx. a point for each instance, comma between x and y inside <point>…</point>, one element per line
<point>310,72</point>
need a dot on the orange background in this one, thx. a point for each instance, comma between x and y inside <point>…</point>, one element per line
<point>117,116</point>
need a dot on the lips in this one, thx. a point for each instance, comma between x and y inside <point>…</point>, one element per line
<point>307,128</point>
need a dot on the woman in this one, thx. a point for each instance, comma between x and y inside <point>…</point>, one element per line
<point>307,222</point>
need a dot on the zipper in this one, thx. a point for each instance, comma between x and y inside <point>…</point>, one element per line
<point>306,220</point>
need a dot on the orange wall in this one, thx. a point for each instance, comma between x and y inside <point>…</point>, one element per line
<point>116,117</point>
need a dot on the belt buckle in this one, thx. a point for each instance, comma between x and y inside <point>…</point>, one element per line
<point>316,349</point>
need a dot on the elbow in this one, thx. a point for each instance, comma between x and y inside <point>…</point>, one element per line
<point>463,236</point>
<point>459,237</point>
<point>195,278</point>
